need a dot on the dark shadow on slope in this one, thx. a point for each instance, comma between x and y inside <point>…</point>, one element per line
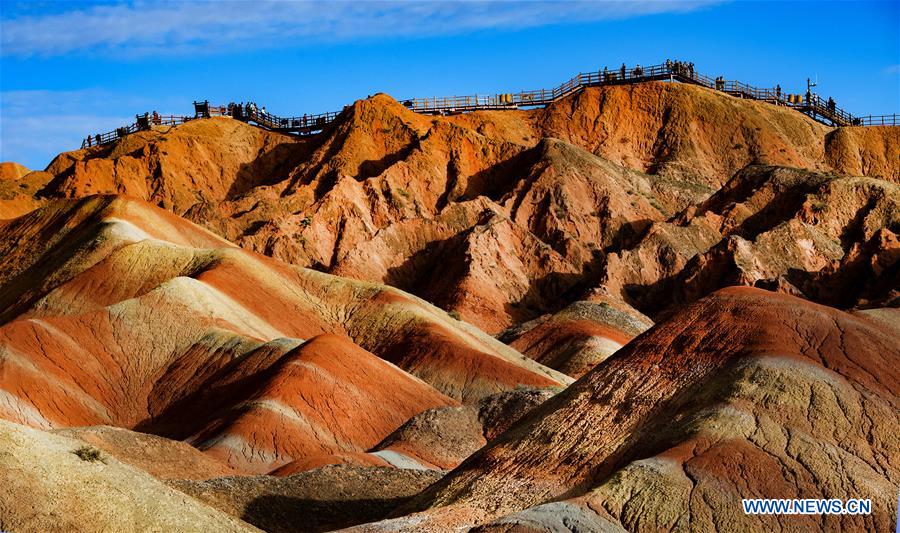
<point>551,293</point>
<point>20,291</point>
<point>501,178</point>
<point>285,514</point>
<point>374,167</point>
<point>628,235</point>
<point>784,206</point>
<point>269,168</point>
<point>417,272</point>
<point>332,135</point>
<point>213,397</point>
<point>855,231</point>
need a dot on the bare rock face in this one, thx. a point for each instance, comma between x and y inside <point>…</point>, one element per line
<point>307,333</point>
<point>176,167</point>
<point>18,189</point>
<point>745,394</point>
<point>442,438</point>
<point>870,151</point>
<point>118,313</point>
<point>777,228</point>
<point>500,217</point>
<point>52,483</point>
<point>10,171</point>
<point>580,336</point>
<point>684,131</point>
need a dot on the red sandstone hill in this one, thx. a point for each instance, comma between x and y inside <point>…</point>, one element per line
<point>499,216</point>
<point>794,231</point>
<point>10,171</point>
<point>172,320</point>
<point>18,189</point>
<point>326,396</point>
<point>580,336</point>
<point>119,313</point>
<point>744,394</point>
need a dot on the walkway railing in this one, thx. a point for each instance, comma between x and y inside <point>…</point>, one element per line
<point>878,120</point>
<point>304,124</point>
<point>141,123</point>
<point>810,104</point>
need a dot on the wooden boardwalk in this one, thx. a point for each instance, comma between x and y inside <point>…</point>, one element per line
<point>808,103</point>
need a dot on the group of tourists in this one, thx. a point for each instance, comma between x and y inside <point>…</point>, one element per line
<point>605,75</point>
<point>242,110</point>
<point>681,68</point>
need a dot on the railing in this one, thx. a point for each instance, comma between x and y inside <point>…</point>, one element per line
<point>251,113</point>
<point>143,122</point>
<point>540,97</point>
<point>877,120</point>
<point>169,120</point>
<point>108,137</point>
<point>674,71</point>
<point>301,124</point>
<point>830,111</point>
<point>809,104</point>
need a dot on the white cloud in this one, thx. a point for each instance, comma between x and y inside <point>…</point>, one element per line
<point>892,69</point>
<point>189,27</point>
<point>36,125</point>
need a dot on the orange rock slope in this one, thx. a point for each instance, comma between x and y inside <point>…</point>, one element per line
<point>122,314</point>
<point>499,216</point>
<point>303,328</point>
<point>744,394</point>
<point>19,188</point>
<point>580,336</point>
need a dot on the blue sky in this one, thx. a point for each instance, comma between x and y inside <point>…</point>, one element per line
<point>68,69</point>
